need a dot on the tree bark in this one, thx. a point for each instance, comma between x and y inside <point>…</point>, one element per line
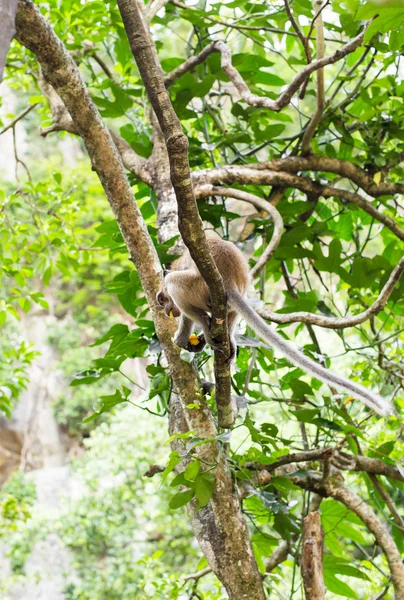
<point>312,557</point>
<point>7,29</point>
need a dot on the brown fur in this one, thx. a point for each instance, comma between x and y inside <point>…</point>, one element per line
<point>185,288</point>
<point>185,293</point>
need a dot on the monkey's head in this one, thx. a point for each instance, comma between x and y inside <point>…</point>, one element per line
<point>167,303</point>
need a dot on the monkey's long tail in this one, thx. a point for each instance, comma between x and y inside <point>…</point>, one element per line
<point>373,401</point>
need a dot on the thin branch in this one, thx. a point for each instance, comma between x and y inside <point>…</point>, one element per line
<point>261,204</point>
<point>189,64</point>
<point>343,494</point>
<point>388,501</point>
<point>189,221</point>
<point>300,35</point>
<point>278,556</point>
<point>286,96</point>
<point>90,50</point>
<point>344,168</point>
<point>341,460</point>
<point>240,84</point>
<point>349,462</point>
<point>153,7</point>
<point>342,322</point>
<point>20,116</point>
<point>335,488</point>
<point>316,118</point>
<point>249,27</point>
<point>199,574</point>
<point>305,42</point>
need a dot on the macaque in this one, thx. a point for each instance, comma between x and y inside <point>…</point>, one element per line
<point>185,294</point>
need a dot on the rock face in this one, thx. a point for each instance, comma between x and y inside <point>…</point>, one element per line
<point>33,442</point>
<point>10,450</point>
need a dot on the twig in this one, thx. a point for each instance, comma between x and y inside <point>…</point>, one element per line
<point>19,117</point>
<point>199,574</point>
<point>388,500</point>
<point>277,557</point>
<point>240,84</point>
<point>153,7</point>
<point>316,118</point>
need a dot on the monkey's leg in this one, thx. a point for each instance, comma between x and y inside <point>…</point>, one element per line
<point>183,332</point>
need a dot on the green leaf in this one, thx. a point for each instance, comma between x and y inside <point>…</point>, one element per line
<point>107,403</point>
<point>173,461</point>
<point>181,499</point>
<point>204,486</point>
<point>192,470</point>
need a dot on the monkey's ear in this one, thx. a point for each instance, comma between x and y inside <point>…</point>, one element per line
<point>161,299</point>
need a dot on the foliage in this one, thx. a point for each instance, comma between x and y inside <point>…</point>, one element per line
<point>61,248</point>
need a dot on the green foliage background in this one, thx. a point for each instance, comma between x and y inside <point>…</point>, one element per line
<point>62,251</point>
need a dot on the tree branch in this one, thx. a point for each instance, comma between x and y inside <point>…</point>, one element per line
<point>335,488</point>
<point>344,168</point>
<point>342,460</point>
<point>286,96</point>
<point>189,64</point>
<point>342,322</point>
<point>247,175</point>
<point>349,462</point>
<point>240,84</point>
<point>261,204</point>
<point>152,8</point>
<point>62,121</point>
<point>277,557</point>
<point>189,221</point>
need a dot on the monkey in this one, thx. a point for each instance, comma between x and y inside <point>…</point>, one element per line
<point>186,294</point>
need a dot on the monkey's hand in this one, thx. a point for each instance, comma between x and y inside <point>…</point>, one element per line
<point>193,343</point>
<point>196,343</point>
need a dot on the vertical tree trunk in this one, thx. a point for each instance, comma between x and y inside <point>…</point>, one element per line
<point>312,558</point>
<point>8,9</point>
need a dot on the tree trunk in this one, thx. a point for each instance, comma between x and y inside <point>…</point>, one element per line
<point>312,557</point>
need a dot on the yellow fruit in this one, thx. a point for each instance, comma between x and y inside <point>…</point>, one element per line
<point>193,339</point>
<point>171,314</point>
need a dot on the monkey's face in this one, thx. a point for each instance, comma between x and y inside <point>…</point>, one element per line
<point>167,303</point>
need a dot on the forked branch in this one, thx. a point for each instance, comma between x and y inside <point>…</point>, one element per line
<point>189,221</point>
